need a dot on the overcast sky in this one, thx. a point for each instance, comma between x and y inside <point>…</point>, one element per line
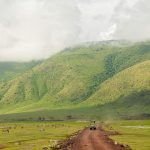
<point>35,29</point>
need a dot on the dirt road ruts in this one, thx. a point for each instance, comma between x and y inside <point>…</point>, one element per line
<point>91,140</point>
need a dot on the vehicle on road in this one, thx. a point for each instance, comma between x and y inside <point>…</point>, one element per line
<point>92,127</point>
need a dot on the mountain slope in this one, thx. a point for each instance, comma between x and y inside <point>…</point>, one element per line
<point>134,79</point>
<point>10,70</point>
<point>74,77</point>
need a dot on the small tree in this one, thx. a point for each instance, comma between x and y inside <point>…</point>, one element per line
<point>69,117</point>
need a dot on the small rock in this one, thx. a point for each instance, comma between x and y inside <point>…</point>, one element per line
<point>116,143</point>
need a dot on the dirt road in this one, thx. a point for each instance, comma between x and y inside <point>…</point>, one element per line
<point>91,140</point>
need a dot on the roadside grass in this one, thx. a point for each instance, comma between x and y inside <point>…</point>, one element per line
<point>36,135</point>
<point>136,134</point>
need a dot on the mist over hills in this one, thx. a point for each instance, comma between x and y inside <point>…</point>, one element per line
<point>108,75</point>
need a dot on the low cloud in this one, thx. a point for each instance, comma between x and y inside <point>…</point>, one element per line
<point>132,20</point>
<point>36,29</point>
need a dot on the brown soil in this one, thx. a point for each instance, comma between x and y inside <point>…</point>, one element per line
<point>91,140</point>
<point>2,146</point>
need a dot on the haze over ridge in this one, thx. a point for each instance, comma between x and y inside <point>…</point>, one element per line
<point>36,29</point>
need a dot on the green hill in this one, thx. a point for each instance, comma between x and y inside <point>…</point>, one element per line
<point>86,75</point>
<point>133,79</point>
<point>10,70</point>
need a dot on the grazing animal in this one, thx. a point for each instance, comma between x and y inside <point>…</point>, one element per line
<point>41,130</point>
<point>5,130</point>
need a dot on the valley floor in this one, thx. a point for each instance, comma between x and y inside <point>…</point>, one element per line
<point>40,135</point>
<point>35,135</point>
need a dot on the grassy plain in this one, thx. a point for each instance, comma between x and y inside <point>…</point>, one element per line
<point>136,133</point>
<point>35,135</point>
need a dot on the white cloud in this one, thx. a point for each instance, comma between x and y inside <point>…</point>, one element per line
<point>108,35</point>
<point>95,18</point>
<point>34,29</point>
<point>133,20</point>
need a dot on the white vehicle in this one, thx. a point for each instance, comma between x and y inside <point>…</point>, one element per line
<point>92,127</point>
